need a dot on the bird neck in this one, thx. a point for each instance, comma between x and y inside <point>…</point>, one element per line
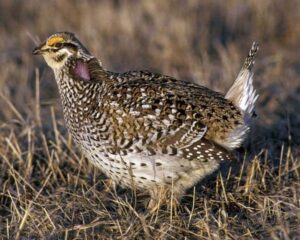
<point>81,84</point>
<point>75,93</point>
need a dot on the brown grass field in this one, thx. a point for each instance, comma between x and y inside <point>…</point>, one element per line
<point>48,190</point>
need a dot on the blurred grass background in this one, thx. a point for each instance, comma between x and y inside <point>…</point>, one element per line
<point>199,41</point>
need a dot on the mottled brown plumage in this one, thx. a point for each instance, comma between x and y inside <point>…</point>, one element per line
<point>145,129</point>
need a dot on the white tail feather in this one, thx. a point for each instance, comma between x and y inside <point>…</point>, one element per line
<point>243,95</point>
<point>242,92</point>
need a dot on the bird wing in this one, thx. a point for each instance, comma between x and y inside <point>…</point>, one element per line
<point>161,116</point>
<point>185,136</point>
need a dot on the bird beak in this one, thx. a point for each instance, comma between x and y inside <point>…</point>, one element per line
<point>40,49</point>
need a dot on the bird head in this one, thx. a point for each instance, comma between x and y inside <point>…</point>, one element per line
<point>60,47</point>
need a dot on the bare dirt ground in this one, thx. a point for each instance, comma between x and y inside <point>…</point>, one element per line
<point>49,191</point>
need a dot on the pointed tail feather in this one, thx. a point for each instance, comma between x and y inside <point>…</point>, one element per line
<point>242,93</point>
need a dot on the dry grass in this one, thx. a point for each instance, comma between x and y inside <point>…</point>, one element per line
<point>49,191</point>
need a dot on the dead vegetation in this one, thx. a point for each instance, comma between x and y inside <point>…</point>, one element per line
<point>49,191</point>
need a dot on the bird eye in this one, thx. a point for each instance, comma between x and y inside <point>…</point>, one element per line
<point>58,45</point>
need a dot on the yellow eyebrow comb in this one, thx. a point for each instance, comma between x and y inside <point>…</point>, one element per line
<point>54,40</point>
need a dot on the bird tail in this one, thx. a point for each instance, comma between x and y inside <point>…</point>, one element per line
<point>242,92</point>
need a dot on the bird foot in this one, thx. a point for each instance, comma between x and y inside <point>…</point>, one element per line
<point>109,185</point>
<point>163,197</point>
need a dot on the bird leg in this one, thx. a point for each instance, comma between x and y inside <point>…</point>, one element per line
<point>162,196</point>
<point>110,185</point>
